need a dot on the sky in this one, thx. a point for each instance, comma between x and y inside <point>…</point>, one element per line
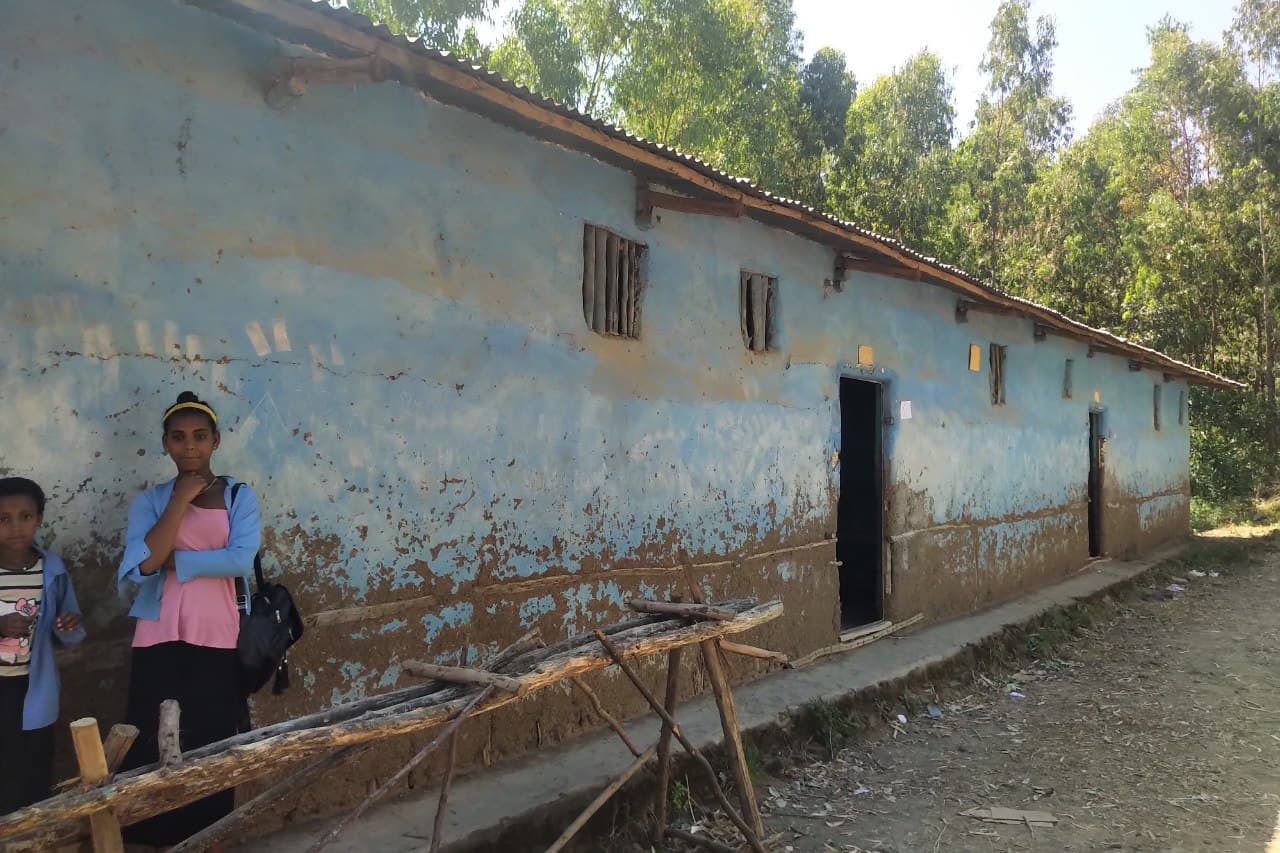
<point>1100,42</point>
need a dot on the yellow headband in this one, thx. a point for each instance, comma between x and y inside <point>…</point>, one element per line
<point>200,407</point>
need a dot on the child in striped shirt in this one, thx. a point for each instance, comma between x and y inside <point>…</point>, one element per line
<point>37,605</point>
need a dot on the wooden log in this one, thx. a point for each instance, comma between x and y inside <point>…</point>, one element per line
<point>603,797</point>
<point>451,761</point>
<point>461,675</point>
<point>716,669</point>
<point>169,736</point>
<point>755,652</point>
<point>664,747</point>
<point>747,832</point>
<point>676,608</point>
<point>92,761</point>
<point>148,791</point>
<point>119,740</point>
<point>229,824</point>
<point>608,718</point>
<point>395,778</point>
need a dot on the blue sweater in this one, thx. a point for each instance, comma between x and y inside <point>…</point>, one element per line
<point>40,708</point>
<point>235,560</point>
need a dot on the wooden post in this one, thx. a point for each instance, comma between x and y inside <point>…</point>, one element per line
<point>714,659</point>
<point>451,760</point>
<point>168,736</point>
<point>664,748</point>
<point>228,824</point>
<point>417,759</point>
<point>600,800</point>
<point>119,740</point>
<point>609,719</point>
<point>92,761</point>
<point>747,832</point>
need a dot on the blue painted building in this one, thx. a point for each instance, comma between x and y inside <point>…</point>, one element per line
<point>493,365</point>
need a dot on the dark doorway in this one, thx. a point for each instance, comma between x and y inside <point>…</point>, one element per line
<point>1095,484</point>
<point>859,522</point>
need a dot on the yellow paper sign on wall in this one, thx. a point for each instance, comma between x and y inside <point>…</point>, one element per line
<point>975,358</point>
<point>866,355</point>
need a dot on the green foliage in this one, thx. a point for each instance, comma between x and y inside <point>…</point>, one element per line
<point>438,22</point>
<point>834,726</point>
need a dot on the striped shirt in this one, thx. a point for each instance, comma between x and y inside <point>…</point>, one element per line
<point>20,592</point>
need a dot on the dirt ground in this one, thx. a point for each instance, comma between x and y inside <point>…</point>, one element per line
<point>1157,727</point>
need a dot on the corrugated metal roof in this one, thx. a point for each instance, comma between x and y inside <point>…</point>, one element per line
<point>251,12</point>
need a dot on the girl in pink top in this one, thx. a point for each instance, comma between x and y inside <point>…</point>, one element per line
<point>188,551</point>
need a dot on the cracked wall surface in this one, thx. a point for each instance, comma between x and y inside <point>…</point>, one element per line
<point>381,295</point>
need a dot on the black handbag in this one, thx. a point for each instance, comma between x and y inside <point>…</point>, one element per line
<point>269,624</point>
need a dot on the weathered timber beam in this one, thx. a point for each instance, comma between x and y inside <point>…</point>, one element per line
<point>846,265</point>
<point>292,75</point>
<point>460,675</point>
<point>756,652</point>
<point>150,791</point>
<point>647,200</point>
<point>677,608</point>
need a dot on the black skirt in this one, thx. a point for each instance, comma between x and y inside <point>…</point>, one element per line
<point>206,683</point>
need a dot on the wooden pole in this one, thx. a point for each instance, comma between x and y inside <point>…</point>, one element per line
<point>169,734</point>
<point>451,760</point>
<point>461,675</point>
<point>609,719</point>
<point>714,660</point>
<point>664,747</point>
<point>119,740</point>
<point>417,759</point>
<point>747,832</point>
<point>228,824</point>
<point>91,759</point>
<point>690,611</point>
<point>755,652</point>
<point>603,797</point>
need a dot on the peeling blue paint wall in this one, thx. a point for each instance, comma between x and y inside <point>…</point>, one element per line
<point>381,294</point>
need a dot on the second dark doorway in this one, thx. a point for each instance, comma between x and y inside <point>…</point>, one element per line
<point>859,522</point>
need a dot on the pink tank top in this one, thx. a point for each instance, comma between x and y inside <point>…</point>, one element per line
<point>201,611</point>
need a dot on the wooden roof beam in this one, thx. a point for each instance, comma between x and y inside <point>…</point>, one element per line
<point>647,200</point>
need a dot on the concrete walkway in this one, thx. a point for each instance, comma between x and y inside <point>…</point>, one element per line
<point>546,785</point>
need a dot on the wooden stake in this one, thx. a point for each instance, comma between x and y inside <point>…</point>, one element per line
<point>755,652</point>
<point>602,798</point>
<point>119,740</point>
<point>417,759</point>
<point>451,759</point>
<point>461,675</point>
<point>714,660</point>
<point>92,761</point>
<point>227,825</point>
<point>747,832</point>
<point>691,611</point>
<point>664,747</point>
<point>168,736</point>
<point>605,715</point>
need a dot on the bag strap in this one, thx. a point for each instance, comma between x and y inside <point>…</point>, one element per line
<point>257,558</point>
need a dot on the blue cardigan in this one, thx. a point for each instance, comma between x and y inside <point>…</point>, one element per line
<point>40,708</point>
<point>235,560</point>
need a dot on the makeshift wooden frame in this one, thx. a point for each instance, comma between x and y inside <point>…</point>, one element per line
<point>294,744</point>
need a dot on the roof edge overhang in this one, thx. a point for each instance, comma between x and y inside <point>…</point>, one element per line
<point>340,33</point>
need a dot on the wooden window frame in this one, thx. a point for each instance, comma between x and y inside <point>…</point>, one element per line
<point>758,310</point>
<point>1155,405</point>
<point>997,358</point>
<point>1067,370</point>
<point>612,282</point>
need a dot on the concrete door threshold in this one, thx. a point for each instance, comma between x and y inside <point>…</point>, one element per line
<point>486,802</point>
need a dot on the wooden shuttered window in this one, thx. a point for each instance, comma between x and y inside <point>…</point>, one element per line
<point>758,310</point>
<point>997,356</point>
<point>611,282</point>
